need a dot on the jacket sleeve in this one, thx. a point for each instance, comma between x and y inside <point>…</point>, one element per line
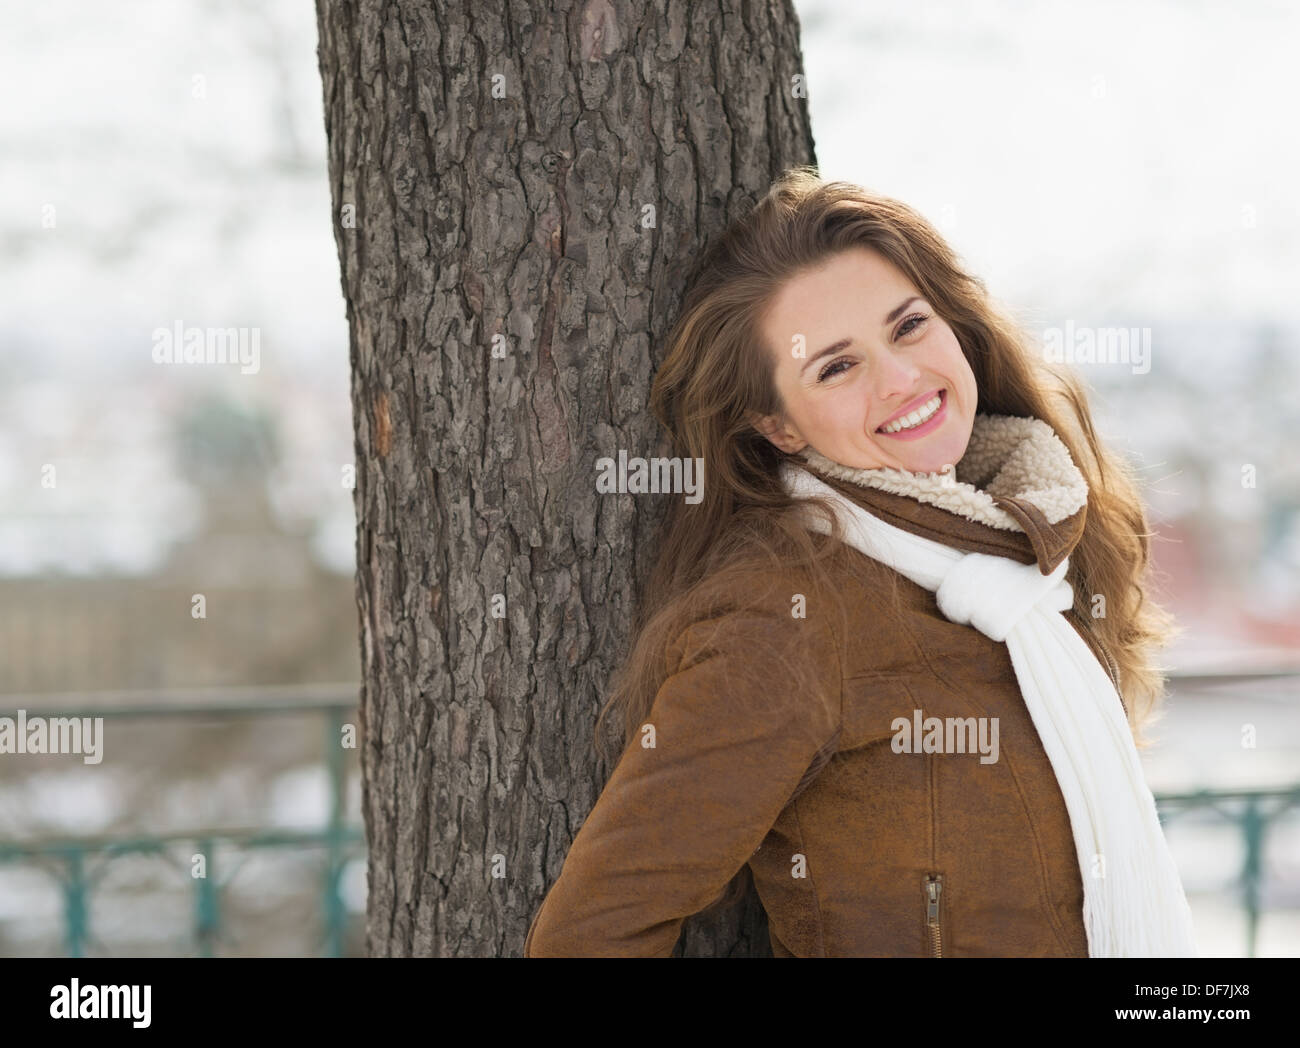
<point>753,698</point>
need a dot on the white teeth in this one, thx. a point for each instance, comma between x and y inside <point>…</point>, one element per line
<point>915,418</point>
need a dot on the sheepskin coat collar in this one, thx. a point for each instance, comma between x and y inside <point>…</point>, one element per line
<point>1016,492</point>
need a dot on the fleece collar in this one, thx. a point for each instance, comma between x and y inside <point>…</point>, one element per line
<point>1009,462</point>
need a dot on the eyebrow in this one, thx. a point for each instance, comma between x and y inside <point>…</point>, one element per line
<point>843,343</point>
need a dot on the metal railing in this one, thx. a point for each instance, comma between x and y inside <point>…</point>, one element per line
<point>1252,811</point>
<point>79,861</point>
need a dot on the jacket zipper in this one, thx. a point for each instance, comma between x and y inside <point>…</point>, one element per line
<point>932,887</point>
<point>1112,667</point>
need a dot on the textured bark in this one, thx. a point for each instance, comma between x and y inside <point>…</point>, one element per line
<point>520,216</point>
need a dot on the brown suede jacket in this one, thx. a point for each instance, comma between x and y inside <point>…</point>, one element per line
<point>772,747</point>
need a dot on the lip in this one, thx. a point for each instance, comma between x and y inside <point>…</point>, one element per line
<point>928,426</point>
<point>907,409</point>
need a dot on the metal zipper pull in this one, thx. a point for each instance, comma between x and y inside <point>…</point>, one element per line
<point>933,888</point>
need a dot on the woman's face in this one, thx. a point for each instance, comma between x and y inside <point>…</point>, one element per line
<point>858,350</point>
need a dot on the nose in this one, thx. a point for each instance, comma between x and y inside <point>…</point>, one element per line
<point>896,375</point>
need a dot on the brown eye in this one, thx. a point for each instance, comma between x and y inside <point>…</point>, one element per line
<point>909,325</point>
<point>830,369</point>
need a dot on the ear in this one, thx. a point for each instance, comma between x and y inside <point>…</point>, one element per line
<point>780,433</point>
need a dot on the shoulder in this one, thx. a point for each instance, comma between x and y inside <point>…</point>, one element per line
<point>759,664</point>
<point>767,613</point>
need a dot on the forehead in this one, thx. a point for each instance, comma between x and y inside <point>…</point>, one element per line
<point>854,286</point>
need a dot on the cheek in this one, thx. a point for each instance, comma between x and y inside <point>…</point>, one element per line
<point>846,406</point>
<point>968,377</point>
<point>956,364</point>
<point>843,412</point>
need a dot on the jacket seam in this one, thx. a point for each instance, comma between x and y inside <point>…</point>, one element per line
<point>812,884</point>
<point>840,672</point>
<point>819,761</point>
<point>1044,888</point>
<point>839,729</point>
<point>934,810</point>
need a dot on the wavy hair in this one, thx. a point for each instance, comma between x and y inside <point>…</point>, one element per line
<point>717,375</point>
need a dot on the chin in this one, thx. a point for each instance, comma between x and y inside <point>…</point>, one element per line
<point>933,459</point>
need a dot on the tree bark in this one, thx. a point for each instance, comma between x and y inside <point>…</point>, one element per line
<point>518,190</point>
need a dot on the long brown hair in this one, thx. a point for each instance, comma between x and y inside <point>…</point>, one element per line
<point>717,375</point>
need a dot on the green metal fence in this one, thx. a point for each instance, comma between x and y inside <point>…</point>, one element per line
<point>79,861</point>
<point>1253,812</point>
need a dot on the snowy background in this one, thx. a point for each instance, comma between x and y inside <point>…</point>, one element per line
<point>1115,164</point>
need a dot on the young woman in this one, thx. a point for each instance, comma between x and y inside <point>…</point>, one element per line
<point>894,665</point>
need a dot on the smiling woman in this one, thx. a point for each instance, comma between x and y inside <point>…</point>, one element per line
<point>905,509</point>
<point>868,400</point>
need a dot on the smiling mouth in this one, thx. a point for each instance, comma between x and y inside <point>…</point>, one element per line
<point>917,417</point>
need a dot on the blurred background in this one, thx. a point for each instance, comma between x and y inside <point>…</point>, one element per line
<point>176,544</point>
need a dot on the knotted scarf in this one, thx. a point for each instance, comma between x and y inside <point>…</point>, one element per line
<point>1134,904</point>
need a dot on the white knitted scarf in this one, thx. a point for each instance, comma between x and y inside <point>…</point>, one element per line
<point>1134,904</point>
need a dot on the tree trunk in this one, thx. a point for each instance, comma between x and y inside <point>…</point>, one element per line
<point>515,203</point>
